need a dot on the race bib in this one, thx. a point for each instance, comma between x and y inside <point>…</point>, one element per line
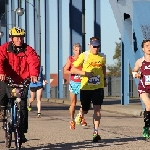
<point>94,80</point>
<point>77,76</point>
<point>147,80</point>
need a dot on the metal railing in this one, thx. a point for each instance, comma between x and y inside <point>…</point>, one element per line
<point>112,90</point>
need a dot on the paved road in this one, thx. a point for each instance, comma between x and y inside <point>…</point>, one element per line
<point>51,132</point>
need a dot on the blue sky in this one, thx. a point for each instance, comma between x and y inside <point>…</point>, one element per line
<point>109,31</point>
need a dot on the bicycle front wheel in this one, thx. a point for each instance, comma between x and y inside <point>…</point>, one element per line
<point>18,129</point>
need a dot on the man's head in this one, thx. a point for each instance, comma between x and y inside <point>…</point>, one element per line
<point>94,45</point>
<point>146,46</point>
<point>17,35</point>
<point>76,49</point>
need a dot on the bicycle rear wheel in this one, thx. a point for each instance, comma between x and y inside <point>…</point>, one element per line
<point>18,129</point>
<point>8,128</point>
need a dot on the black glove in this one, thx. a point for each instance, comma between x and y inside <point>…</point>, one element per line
<point>89,74</point>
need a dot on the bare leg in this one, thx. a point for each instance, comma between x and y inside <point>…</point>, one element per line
<point>39,95</point>
<point>146,100</point>
<point>96,116</point>
<point>73,104</point>
<point>32,97</point>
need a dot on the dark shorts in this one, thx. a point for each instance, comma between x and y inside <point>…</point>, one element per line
<point>87,96</point>
<point>143,89</point>
<point>34,89</point>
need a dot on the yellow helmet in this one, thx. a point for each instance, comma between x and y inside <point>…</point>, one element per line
<point>17,32</point>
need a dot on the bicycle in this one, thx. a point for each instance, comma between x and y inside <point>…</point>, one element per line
<point>13,115</point>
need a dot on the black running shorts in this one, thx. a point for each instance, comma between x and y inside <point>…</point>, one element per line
<point>34,89</point>
<point>87,96</point>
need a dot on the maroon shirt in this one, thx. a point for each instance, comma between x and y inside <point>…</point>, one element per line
<point>144,83</point>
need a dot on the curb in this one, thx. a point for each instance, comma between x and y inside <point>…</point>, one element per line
<point>108,108</point>
<point>126,111</point>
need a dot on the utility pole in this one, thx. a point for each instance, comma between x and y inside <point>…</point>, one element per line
<point>83,25</point>
<point>39,29</point>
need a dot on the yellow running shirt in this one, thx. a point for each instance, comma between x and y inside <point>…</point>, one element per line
<point>93,63</point>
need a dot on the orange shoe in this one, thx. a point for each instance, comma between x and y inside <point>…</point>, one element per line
<point>83,123</point>
<point>72,125</point>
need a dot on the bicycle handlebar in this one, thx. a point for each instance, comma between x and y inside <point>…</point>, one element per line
<point>11,83</point>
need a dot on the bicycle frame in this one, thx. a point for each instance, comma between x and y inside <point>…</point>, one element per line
<point>13,120</point>
<point>13,112</point>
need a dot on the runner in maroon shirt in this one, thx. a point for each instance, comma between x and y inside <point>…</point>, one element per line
<point>142,71</point>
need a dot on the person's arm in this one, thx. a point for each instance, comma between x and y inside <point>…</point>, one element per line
<point>2,59</point>
<point>137,66</point>
<point>77,63</point>
<point>74,70</point>
<point>67,67</point>
<point>104,70</point>
<point>104,64</point>
<point>136,69</point>
<point>45,81</point>
<point>33,62</point>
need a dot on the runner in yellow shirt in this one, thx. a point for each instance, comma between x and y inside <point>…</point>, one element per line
<point>93,81</point>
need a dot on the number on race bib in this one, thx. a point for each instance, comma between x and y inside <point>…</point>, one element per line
<point>94,80</point>
<point>147,80</point>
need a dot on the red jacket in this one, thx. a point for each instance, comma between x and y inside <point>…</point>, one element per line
<point>18,65</point>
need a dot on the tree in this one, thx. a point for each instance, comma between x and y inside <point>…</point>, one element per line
<point>114,70</point>
<point>117,55</point>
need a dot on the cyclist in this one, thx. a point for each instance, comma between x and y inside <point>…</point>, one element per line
<point>18,61</point>
<point>37,88</point>
<point>93,80</point>
<point>74,87</point>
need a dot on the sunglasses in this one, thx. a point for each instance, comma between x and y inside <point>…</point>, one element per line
<point>96,46</point>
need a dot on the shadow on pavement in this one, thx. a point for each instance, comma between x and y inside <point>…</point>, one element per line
<point>85,144</point>
<point>65,107</point>
<point>114,102</point>
<point>2,142</point>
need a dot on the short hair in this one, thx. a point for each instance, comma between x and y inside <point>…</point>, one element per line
<point>144,41</point>
<point>94,38</point>
<point>76,45</point>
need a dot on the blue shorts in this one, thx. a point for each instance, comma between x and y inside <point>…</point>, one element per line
<point>74,87</point>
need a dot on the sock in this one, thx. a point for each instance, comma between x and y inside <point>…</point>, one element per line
<point>96,130</point>
<point>146,124</point>
<point>80,113</point>
<point>147,118</point>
